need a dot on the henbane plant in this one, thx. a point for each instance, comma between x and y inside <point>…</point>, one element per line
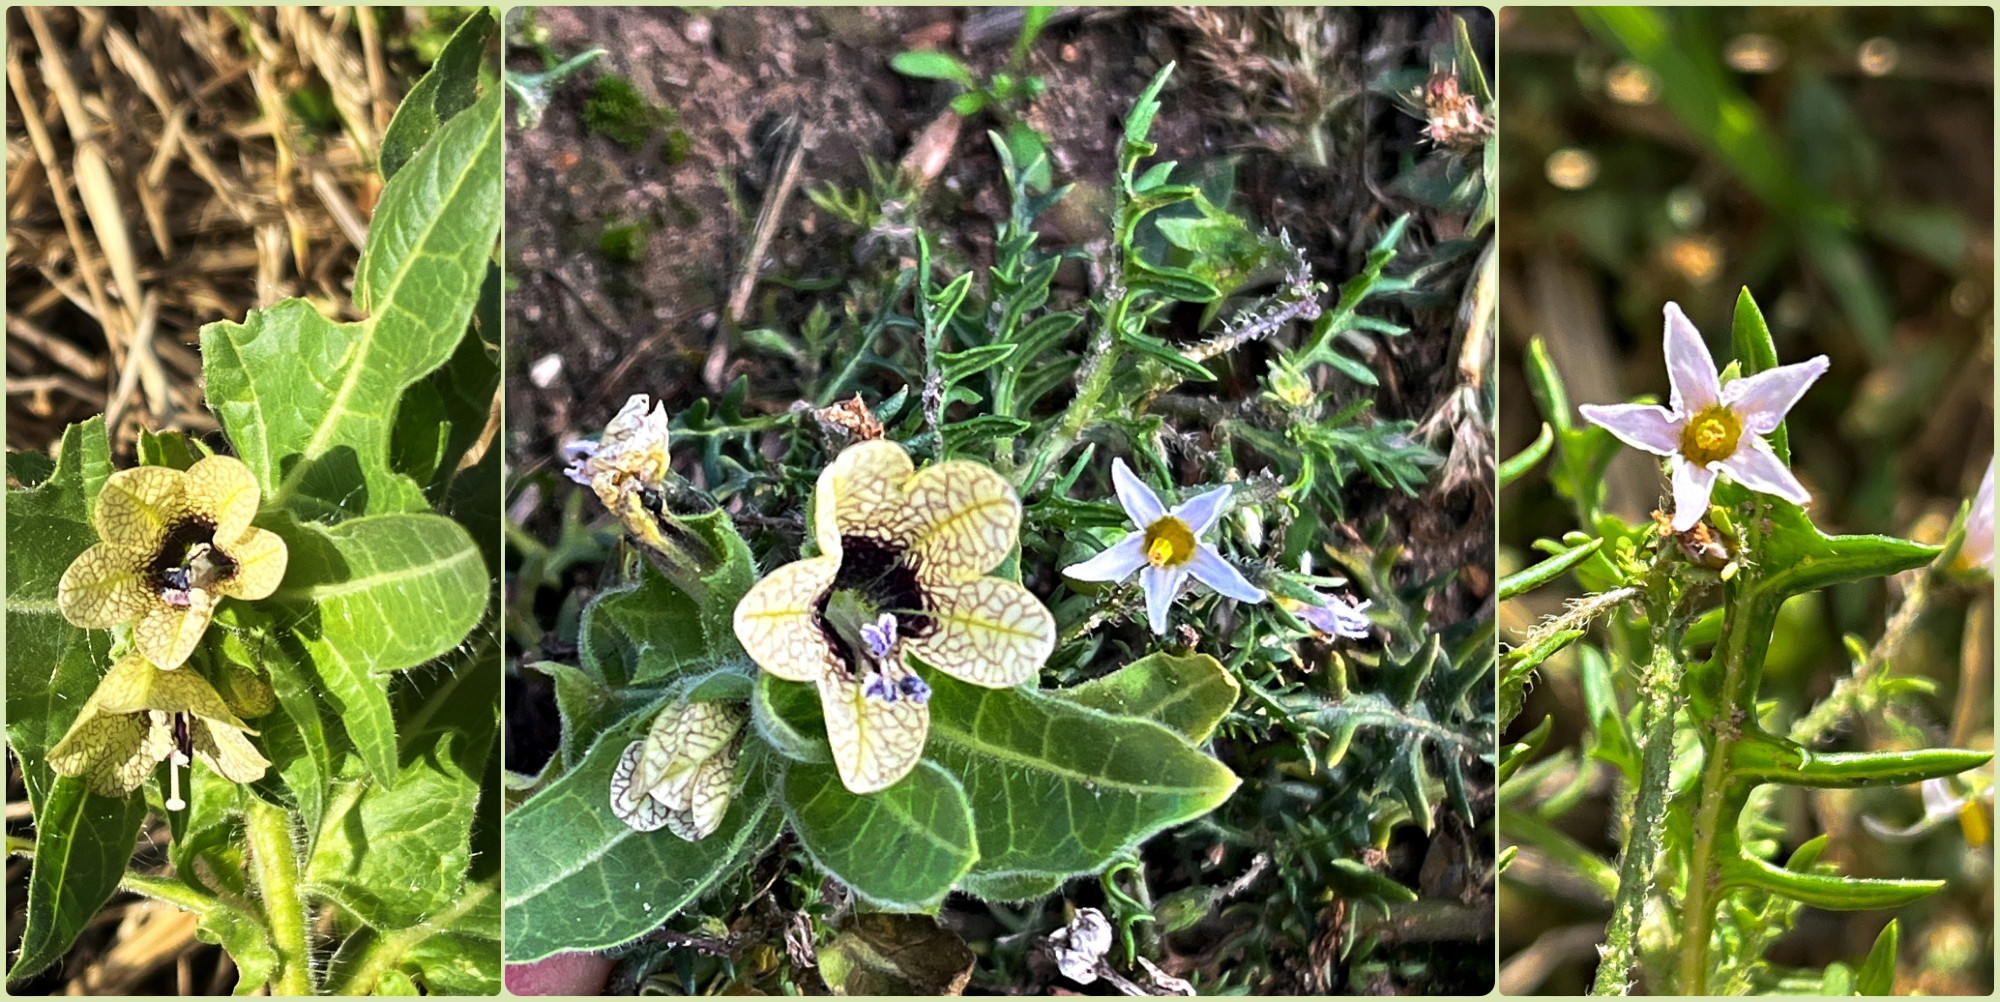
<point>223,636</point>
<point>1688,606</point>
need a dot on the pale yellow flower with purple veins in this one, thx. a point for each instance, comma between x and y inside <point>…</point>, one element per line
<point>140,716</point>
<point>901,571</point>
<point>1977,551</point>
<point>1713,429</point>
<point>173,544</point>
<point>1167,549</point>
<point>626,467</point>
<point>681,775</point>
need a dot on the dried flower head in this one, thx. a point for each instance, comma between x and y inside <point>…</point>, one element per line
<point>172,545</point>
<point>626,467</point>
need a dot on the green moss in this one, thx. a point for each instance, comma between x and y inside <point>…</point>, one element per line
<point>623,243</point>
<point>615,110</point>
<point>678,144</point>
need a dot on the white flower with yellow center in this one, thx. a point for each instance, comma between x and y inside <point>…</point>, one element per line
<point>1712,428</point>
<point>1167,549</point>
<point>902,570</point>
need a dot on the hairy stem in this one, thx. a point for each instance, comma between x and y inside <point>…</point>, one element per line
<point>274,865</point>
<point>1660,688</point>
<point>362,974</point>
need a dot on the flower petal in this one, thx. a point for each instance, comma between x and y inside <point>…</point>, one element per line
<point>1760,401</point>
<point>113,752</point>
<point>261,559</point>
<point>1203,510</point>
<point>1161,585</point>
<point>136,507</point>
<point>1690,368</point>
<point>167,634</point>
<point>1336,616</point>
<point>706,730</point>
<point>1141,505</point>
<point>659,747</point>
<point>875,741</point>
<point>1641,426</point>
<point>1692,487</point>
<point>1210,569</point>
<point>105,586</point>
<point>629,800</point>
<point>1755,466</point>
<point>228,752</point>
<point>963,519</point>
<point>778,621</point>
<point>1116,563</point>
<point>708,796</point>
<point>990,631</point>
<point>188,692</point>
<point>860,493</point>
<point>1978,548</point>
<point>223,488</point>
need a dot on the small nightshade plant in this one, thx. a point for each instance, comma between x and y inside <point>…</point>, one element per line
<point>1688,606</point>
<point>873,581</point>
<point>221,635</point>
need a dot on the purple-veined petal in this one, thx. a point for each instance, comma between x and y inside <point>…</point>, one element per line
<point>1641,426</point>
<point>1690,368</point>
<point>1141,504</point>
<point>1692,486</point>
<point>1161,584</point>
<point>1755,466</point>
<point>1115,564</point>
<point>1761,401</point>
<point>1210,569</point>
<point>1201,511</point>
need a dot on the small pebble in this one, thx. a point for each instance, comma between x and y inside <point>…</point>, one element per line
<point>545,370</point>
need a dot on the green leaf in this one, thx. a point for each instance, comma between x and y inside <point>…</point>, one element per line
<point>82,842</point>
<point>1190,693</point>
<point>308,771</point>
<point>787,716</point>
<point>309,404</point>
<point>647,632</point>
<point>399,852</point>
<point>901,849</point>
<point>1839,894</point>
<point>577,878</point>
<point>360,701</point>
<point>1877,975</point>
<point>1764,759</point>
<point>1518,466</point>
<point>1800,558</point>
<point>1153,347</point>
<point>388,591</point>
<point>450,86</point>
<point>1059,789</point>
<point>442,415</point>
<point>244,937</point>
<point>932,66</point>
<point>462,957</point>
<point>1522,582</point>
<point>52,667</point>
<point>1145,106</point>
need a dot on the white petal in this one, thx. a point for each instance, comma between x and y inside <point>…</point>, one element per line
<point>1641,426</point>
<point>1762,400</point>
<point>1755,466</point>
<point>1114,564</point>
<point>1335,616</point>
<point>1161,585</point>
<point>1201,511</point>
<point>1692,486</point>
<point>1210,569</point>
<point>1690,368</point>
<point>1978,548</point>
<point>1939,804</point>
<point>1140,502</point>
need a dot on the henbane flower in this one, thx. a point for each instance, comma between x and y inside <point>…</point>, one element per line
<point>682,773</point>
<point>901,571</point>
<point>626,466</point>
<point>140,716</point>
<point>1713,428</point>
<point>1167,549</point>
<point>173,544</point>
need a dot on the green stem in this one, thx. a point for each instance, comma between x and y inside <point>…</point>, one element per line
<point>1090,388</point>
<point>1661,688</point>
<point>1703,895</point>
<point>274,865</point>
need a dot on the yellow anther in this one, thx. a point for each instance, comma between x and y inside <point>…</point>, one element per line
<point>1711,435</point>
<point>1169,542</point>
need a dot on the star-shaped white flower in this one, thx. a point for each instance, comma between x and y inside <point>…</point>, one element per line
<point>1713,428</point>
<point>1167,549</point>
